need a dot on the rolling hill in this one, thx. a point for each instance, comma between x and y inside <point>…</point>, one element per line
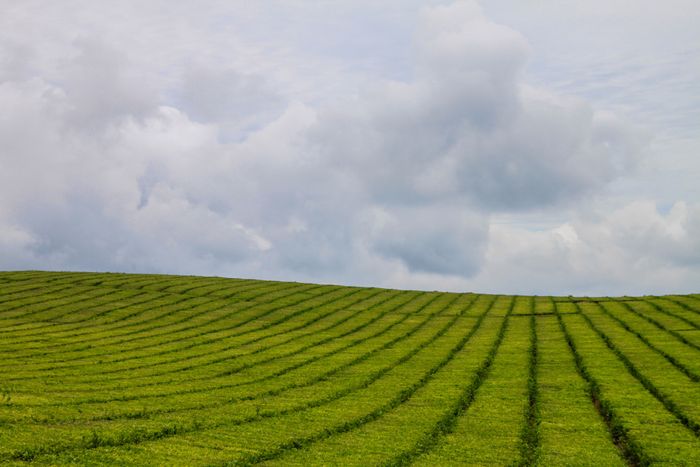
<point>131,369</point>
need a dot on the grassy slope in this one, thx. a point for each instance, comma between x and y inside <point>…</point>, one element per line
<point>138,369</point>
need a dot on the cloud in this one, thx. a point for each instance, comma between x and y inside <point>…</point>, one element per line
<point>468,128</point>
<point>632,250</point>
<point>215,169</point>
<point>238,103</point>
<point>100,86</point>
<point>431,239</point>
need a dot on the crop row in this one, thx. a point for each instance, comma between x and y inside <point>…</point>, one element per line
<point>141,369</point>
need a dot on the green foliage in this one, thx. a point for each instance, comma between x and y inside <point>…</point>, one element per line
<point>129,369</point>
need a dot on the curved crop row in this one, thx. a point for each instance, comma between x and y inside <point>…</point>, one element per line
<point>124,369</point>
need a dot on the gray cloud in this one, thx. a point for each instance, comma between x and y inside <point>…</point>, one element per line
<point>432,239</point>
<point>238,103</point>
<point>468,128</point>
<point>100,86</point>
<point>212,166</point>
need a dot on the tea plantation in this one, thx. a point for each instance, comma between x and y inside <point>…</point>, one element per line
<point>129,369</point>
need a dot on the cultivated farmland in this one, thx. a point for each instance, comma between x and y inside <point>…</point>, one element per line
<point>168,370</point>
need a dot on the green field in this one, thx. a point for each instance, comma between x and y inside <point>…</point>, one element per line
<point>170,370</point>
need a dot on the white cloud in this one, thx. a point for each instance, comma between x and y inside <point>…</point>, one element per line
<point>632,250</point>
<point>169,142</point>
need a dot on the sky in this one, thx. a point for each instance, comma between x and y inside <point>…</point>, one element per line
<point>543,147</point>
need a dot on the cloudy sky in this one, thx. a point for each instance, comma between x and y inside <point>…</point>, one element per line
<point>547,147</point>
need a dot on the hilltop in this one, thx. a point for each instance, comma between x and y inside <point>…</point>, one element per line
<point>128,369</point>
